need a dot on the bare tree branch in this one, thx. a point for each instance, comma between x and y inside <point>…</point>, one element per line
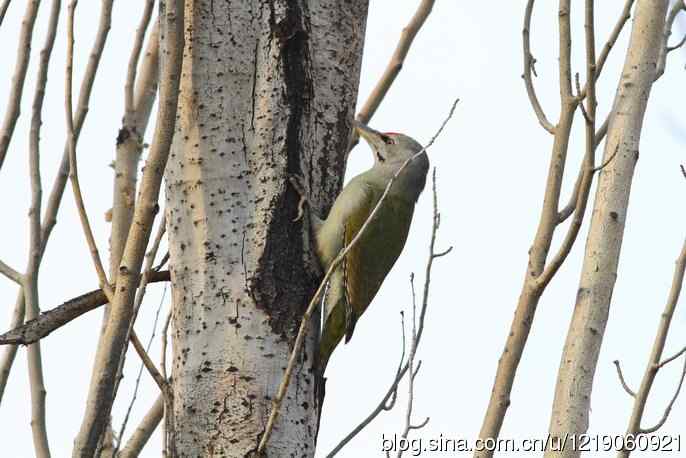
<point>19,77</point>
<point>671,358</point>
<point>55,197</point>
<point>588,164</point>
<point>300,338</point>
<point>12,274</point>
<point>568,209</point>
<point>130,138</point>
<point>145,429</point>
<point>3,10</point>
<point>149,261</point>
<point>623,18</point>
<point>47,322</point>
<point>654,364</point>
<point>570,411</point>
<point>529,62</point>
<point>163,356</point>
<point>147,362</point>
<point>129,104</point>
<point>413,352</point>
<point>114,340</point>
<point>677,8</point>
<point>668,410</point>
<point>629,391</point>
<point>678,45</point>
<point>73,170</point>
<point>394,66</point>
<point>30,287</point>
<point>122,428</point>
<point>549,220</point>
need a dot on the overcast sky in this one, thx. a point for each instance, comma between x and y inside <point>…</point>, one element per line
<point>491,165</point>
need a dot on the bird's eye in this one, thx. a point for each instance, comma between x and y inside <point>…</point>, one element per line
<point>388,140</point>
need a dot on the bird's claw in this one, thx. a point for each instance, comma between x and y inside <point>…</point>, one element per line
<point>296,182</point>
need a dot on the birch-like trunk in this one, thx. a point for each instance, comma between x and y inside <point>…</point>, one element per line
<point>599,272</point>
<point>268,89</point>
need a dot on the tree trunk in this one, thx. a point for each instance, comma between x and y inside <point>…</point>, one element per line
<point>268,89</point>
<point>599,272</point>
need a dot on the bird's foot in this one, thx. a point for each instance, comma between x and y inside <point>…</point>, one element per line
<point>297,183</point>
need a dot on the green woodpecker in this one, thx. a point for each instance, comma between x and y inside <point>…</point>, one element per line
<point>356,280</point>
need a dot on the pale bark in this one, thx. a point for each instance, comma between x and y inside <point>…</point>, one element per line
<point>129,145</point>
<point>599,271</point>
<point>130,141</point>
<point>268,90</point>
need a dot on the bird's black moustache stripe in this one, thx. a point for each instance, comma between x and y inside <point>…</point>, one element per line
<point>380,157</point>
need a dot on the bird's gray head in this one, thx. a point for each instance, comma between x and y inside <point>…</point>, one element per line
<point>391,150</point>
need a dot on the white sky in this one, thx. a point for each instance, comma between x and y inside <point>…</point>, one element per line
<point>491,160</point>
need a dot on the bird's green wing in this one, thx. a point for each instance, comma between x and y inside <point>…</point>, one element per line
<point>355,282</point>
<point>379,246</point>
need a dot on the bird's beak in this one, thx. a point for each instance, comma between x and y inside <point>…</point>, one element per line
<point>373,137</point>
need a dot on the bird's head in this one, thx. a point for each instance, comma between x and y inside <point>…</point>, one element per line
<point>388,147</point>
<point>391,150</point>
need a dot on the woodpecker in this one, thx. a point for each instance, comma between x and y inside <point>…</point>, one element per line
<point>356,280</point>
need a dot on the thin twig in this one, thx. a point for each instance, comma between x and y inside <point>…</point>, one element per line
<point>581,105</point>
<point>568,209</point>
<point>588,170</point>
<point>394,66</point>
<point>530,294</point>
<point>678,45</point>
<point>607,161</point>
<point>622,380</point>
<point>671,358</point>
<point>122,428</point>
<point>135,56</point>
<point>410,361</point>
<point>529,62</point>
<point>612,39</point>
<point>614,35</point>
<point>144,430</point>
<point>677,8</point>
<point>149,365</point>
<point>129,144</point>
<point>300,338</point>
<point>668,409</point>
<point>163,356</point>
<point>73,170</point>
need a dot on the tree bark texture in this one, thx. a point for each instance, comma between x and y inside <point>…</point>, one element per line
<point>268,89</point>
